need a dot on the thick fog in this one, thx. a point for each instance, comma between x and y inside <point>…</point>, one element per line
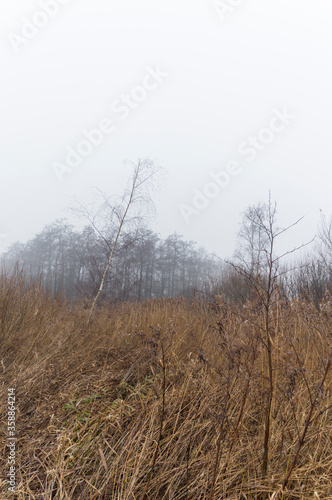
<point>232,98</point>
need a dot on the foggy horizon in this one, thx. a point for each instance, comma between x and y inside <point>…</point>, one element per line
<point>231,99</point>
<point>165,316</point>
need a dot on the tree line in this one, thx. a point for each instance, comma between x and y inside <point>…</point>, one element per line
<point>145,266</point>
<point>71,262</point>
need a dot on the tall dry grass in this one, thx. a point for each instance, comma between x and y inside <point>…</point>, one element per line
<point>164,399</point>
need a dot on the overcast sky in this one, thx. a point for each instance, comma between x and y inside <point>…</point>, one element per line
<point>232,98</point>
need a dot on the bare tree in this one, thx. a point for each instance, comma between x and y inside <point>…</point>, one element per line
<point>314,277</point>
<point>116,213</point>
<point>253,239</point>
<point>258,264</point>
<point>325,234</point>
<point>325,245</point>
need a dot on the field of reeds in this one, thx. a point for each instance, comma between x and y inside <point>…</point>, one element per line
<point>165,399</point>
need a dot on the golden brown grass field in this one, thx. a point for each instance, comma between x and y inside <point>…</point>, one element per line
<point>164,399</point>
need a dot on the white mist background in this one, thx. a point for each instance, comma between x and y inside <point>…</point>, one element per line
<point>225,78</point>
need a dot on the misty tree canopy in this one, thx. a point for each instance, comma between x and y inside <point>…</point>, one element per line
<point>72,262</point>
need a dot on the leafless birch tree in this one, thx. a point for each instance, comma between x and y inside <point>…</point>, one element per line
<point>113,214</point>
